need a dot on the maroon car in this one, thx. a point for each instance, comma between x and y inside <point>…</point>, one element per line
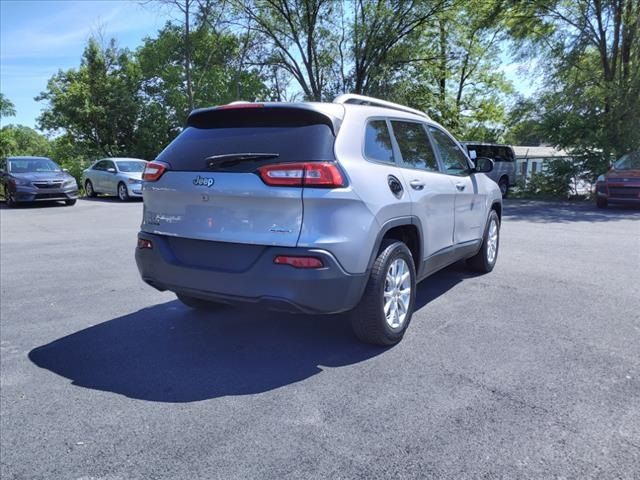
<point>621,184</point>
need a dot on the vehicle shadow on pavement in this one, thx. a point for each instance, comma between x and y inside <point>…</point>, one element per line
<point>170,353</point>
<point>566,212</point>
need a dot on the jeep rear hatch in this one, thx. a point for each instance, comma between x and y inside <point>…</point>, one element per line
<point>231,175</point>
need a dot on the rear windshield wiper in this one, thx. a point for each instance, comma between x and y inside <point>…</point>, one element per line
<point>228,159</point>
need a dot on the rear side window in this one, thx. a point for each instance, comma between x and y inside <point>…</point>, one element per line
<point>414,144</point>
<point>377,142</point>
<point>289,143</point>
<point>498,153</point>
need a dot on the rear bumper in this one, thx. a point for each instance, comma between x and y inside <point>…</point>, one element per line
<point>278,287</point>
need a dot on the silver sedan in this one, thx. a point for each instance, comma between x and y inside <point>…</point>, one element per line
<point>114,176</point>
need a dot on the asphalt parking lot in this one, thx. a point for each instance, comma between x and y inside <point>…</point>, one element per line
<point>532,371</point>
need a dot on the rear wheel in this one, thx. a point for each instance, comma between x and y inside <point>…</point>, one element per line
<point>88,189</point>
<point>123,193</point>
<point>503,183</point>
<point>486,258</point>
<point>386,307</point>
<point>198,303</point>
<point>602,202</point>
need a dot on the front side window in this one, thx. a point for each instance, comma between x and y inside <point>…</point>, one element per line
<point>109,164</point>
<point>453,158</point>
<point>414,144</point>
<point>377,142</point>
<point>101,165</point>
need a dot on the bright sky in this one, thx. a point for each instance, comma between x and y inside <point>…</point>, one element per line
<point>37,38</point>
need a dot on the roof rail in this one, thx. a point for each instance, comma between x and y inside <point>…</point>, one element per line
<point>352,98</point>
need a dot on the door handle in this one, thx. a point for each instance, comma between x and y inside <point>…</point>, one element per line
<point>460,186</point>
<point>417,184</point>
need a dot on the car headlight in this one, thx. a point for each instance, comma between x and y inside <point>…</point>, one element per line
<point>134,181</point>
<point>70,182</point>
<point>21,181</point>
<point>601,178</point>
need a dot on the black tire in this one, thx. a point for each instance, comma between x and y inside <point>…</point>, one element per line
<point>70,202</point>
<point>601,202</point>
<point>123,193</point>
<point>8,198</point>
<point>503,183</point>
<point>481,261</point>
<point>88,189</point>
<point>198,303</point>
<point>368,319</point>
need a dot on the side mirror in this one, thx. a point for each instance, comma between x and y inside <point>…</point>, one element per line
<point>65,169</point>
<point>483,165</point>
<point>111,170</point>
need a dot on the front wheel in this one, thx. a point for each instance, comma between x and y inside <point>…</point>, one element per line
<point>88,189</point>
<point>9,198</point>
<point>602,202</point>
<point>386,307</point>
<point>486,258</point>
<point>504,186</point>
<point>70,202</point>
<point>123,193</point>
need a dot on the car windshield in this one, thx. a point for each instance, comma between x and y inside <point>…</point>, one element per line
<point>630,161</point>
<point>28,165</point>
<point>131,166</point>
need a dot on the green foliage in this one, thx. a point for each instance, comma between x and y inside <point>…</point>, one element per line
<point>7,108</point>
<point>18,140</point>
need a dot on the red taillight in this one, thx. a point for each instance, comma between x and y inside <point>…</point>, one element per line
<point>153,171</point>
<point>308,174</point>
<point>299,262</point>
<point>144,243</point>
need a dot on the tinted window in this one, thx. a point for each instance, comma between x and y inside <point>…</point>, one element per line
<point>109,164</point>
<point>453,158</point>
<point>101,165</point>
<point>414,144</point>
<point>130,166</point>
<point>498,153</point>
<point>25,165</point>
<point>377,142</point>
<point>190,150</point>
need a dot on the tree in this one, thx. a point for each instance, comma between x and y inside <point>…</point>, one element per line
<point>299,37</point>
<point>7,109</point>
<point>98,104</point>
<point>591,103</point>
<point>22,140</point>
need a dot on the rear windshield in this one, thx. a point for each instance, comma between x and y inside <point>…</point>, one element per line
<point>130,166</point>
<point>498,153</point>
<point>190,150</point>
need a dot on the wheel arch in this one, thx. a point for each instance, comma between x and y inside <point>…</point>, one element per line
<point>406,229</point>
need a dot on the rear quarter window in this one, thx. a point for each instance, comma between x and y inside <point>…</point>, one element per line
<point>377,142</point>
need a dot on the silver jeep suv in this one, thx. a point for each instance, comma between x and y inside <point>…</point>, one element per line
<point>317,208</point>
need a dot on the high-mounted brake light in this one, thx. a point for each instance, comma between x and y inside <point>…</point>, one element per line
<point>299,262</point>
<point>238,106</point>
<point>153,171</point>
<point>307,174</point>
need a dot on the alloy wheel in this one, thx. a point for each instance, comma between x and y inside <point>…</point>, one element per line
<point>397,293</point>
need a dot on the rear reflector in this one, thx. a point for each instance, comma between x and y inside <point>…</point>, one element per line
<point>144,243</point>
<point>299,262</point>
<point>307,174</point>
<point>153,171</point>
